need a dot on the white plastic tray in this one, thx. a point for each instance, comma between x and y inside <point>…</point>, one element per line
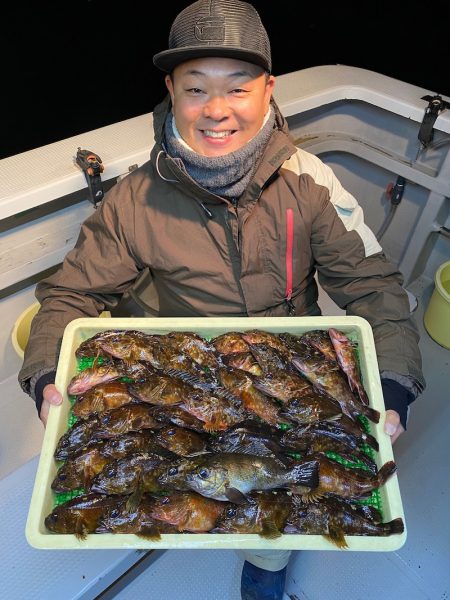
<point>42,501</point>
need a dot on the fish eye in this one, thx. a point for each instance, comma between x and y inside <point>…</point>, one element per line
<point>170,432</point>
<point>172,471</point>
<point>62,476</point>
<point>230,512</point>
<point>114,443</point>
<point>204,473</point>
<point>110,472</point>
<point>105,419</point>
<point>115,513</point>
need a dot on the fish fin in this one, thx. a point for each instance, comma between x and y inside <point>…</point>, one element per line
<point>134,499</point>
<point>336,535</point>
<point>305,474</point>
<point>269,530</point>
<point>81,530</point>
<point>385,472</point>
<point>311,497</point>
<point>395,526</point>
<point>235,496</point>
<point>149,533</point>
<point>372,414</point>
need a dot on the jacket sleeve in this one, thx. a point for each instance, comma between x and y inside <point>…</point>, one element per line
<point>93,276</point>
<point>355,272</point>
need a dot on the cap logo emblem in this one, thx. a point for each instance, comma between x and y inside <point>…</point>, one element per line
<point>210,29</point>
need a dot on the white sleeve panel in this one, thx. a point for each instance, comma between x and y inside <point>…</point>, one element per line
<point>346,206</point>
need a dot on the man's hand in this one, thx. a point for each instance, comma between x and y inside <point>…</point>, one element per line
<point>392,425</point>
<point>51,396</point>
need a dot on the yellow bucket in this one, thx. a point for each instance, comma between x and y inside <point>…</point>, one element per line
<point>21,331</point>
<point>437,315</point>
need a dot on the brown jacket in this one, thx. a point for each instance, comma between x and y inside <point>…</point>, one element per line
<point>209,257</point>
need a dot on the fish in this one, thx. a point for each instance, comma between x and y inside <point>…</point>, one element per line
<point>216,413</point>
<point>244,361</point>
<point>264,513</point>
<point>79,515</point>
<point>348,362</point>
<point>240,384</point>
<point>244,440</point>
<point>173,476</point>
<point>79,471</point>
<point>318,437</point>
<point>101,397</point>
<point>121,518</point>
<point>90,348</point>
<point>129,417</point>
<point>229,476</point>
<point>196,347</point>
<point>180,441</point>
<point>188,511</point>
<point>177,416</point>
<point>131,346</point>
<point>92,376</point>
<point>320,340</point>
<point>312,406</point>
<point>79,435</point>
<point>257,336</point>
<point>160,389</point>
<point>336,479</point>
<point>334,519</point>
<point>328,377</point>
<point>136,472</point>
<point>230,343</point>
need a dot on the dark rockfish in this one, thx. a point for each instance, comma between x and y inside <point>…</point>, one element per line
<point>347,482</point>
<point>130,417</point>
<point>91,347</point>
<point>169,357</point>
<point>229,343</point>
<point>101,397</point>
<point>241,385</point>
<point>256,336</point>
<point>232,476</point>
<point>328,377</point>
<point>334,519</point>
<point>79,515</point>
<point>160,389</point>
<point>265,514</point>
<point>244,361</point>
<point>188,511</point>
<point>312,406</point>
<point>123,518</point>
<point>348,362</point>
<point>316,438</point>
<point>196,347</point>
<point>320,340</point>
<point>88,378</point>
<point>241,440</point>
<point>216,413</point>
<point>173,476</point>
<point>75,438</point>
<point>79,471</point>
<point>180,441</point>
<point>131,346</point>
<point>177,416</point>
<point>129,474</point>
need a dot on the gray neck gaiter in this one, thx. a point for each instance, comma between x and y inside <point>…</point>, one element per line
<point>227,175</point>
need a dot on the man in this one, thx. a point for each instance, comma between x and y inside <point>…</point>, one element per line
<point>231,219</point>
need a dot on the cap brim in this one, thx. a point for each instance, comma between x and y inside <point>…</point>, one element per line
<point>169,59</point>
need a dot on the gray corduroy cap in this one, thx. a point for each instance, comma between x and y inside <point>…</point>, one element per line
<point>224,28</point>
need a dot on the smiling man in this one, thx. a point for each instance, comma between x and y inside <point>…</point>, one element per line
<point>230,219</point>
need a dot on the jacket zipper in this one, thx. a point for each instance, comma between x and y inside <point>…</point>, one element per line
<point>289,252</point>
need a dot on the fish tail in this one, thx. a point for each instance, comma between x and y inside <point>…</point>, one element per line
<point>395,526</point>
<point>371,441</point>
<point>385,472</point>
<point>371,413</point>
<point>149,533</point>
<point>357,386</point>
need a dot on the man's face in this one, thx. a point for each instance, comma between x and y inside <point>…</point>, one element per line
<point>219,103</point>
